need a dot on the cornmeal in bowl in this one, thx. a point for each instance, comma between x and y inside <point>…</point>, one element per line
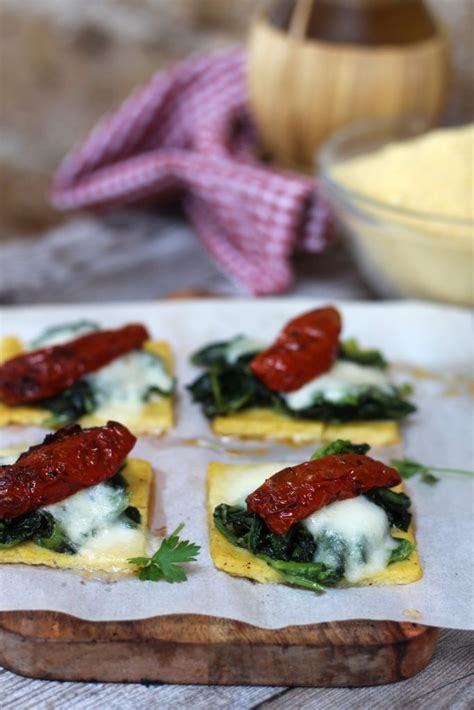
<point>406,207</point>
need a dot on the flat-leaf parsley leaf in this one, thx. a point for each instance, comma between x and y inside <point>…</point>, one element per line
<point>407,468</point>
<point>166,562</point>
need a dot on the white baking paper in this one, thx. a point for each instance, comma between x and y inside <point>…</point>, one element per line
<point>432,347</point>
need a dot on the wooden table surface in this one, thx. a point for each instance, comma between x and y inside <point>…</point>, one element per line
<point>147,257</point>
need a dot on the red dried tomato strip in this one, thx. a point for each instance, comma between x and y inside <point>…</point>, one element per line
<point>297,491</point>
<point>306,347</point>
<point>65,463</point>
<point>45,372</point>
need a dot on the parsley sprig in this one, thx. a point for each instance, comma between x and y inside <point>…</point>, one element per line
<point>407,468</point>
<point>166,562</point>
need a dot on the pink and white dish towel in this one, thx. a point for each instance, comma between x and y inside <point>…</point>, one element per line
<point>189,130</point>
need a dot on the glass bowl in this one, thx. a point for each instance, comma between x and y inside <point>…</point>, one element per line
<point>400,252</point>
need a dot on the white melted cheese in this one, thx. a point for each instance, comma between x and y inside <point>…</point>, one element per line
<point>239,487</point>
<point>114,541</point>
<point>242,345</point>
<point>125,382</point>
<point>355,531</point>
<point>344,379</point>
<point>8,459</point>
<point>59,334</point>
<point>89,512</point>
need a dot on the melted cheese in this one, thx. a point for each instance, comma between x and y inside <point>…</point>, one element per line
<point>232,483</point>
<point>124,384</point>
<point>108,550</point>
<point>57,335</point>
<point>345,379</point>
<point>242,345</point>
<point>90,511</point>
<point>354,532</point>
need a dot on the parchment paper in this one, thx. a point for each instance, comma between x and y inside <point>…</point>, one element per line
<point>436,339</point>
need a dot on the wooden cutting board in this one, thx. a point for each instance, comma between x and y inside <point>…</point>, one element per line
<point>203,650</point>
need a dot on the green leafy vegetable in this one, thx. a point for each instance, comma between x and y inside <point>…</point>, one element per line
<point>395,505</point>
<point>290,554</point>
<point>52,536</point>
<point>369,404</point>
<point>231,388</point>
<point>249,531</point>
<point>70,404</point>
<point>131,516</point>
<point>213,354</point>
<point>166,562</point>
<point>402,552</point>
<point>407,468</point>
<point>351,350</point>
<point>311,575</point>
<point>224,389</point>
<point>39,527</point>
<point>238,349</point>
<point>339,446</point>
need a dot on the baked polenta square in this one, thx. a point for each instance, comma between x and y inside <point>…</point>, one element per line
<point>230,483</point>
<point>109,550</point>
<point>150,417</point>
<point>267,424</point>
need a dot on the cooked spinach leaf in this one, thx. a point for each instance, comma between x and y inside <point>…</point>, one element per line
<point>213,354</point>
<point>70,404</point>
<point>238,349</point>
<point>311,575</point>
<point>39,527</point>
<point>369,404</point>
<point>52,536</point>
<point>131,516</point>
<point>396,506</point>
<point>224,389</point>
<point>339,446</point>
<point>290,554</point>
<point>248,530</point>
<point>402,552</point>
<point>351,350</point>
<point>231,388</point>
<point>16,530</point>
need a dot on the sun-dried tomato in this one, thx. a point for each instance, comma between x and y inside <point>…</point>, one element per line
<point>306,347</point>
<point>43,373</point>
<point>65,463</point>
<point>297,491</point>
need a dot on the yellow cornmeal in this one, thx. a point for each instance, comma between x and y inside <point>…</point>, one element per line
<point>112,560</point>
<point>241,563</point>
<point>432,173</point>
<point>266,424</point>
<point>154,417</point>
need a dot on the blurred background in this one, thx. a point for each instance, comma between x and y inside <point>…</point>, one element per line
<point>66,62</point>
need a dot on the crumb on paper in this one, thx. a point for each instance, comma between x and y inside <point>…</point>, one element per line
<point>412,614</point>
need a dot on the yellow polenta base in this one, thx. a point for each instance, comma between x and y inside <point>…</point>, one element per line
<point>266,424</point>
<point>139,476</point>
<point>154,417</point>
<point>241,563</point>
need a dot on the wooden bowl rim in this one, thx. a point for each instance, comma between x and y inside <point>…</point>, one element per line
<point>438,41</point>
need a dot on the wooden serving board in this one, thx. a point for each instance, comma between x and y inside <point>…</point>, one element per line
<point>203,650</point>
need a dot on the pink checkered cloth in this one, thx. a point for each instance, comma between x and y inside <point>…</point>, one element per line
<point>189,129</point>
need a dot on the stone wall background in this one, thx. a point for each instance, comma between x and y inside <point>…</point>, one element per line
<point>65,62</point>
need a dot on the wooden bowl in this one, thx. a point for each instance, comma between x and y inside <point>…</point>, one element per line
<point>302,90</point>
